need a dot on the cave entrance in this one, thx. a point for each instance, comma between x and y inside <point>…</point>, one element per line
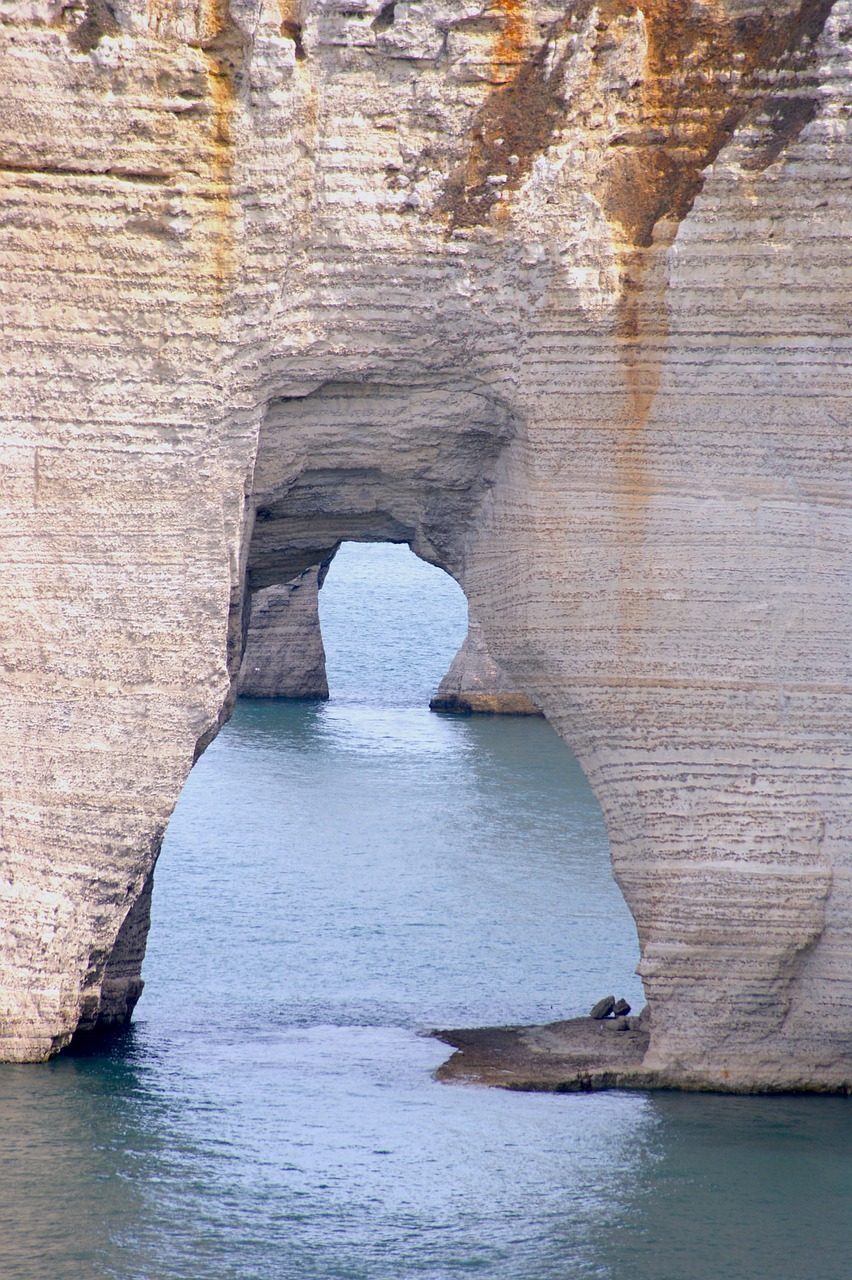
<point>362,862</point>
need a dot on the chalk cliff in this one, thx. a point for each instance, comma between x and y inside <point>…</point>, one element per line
<point>284,656</point>
<point>475,682</point>
<point>560,295</point>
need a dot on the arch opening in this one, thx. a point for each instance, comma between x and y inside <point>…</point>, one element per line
<point>392,867</point>
<point>371,477</point>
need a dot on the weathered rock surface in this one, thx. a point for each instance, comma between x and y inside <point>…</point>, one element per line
<point>284,656</point>
<point>581,1055</point>
<point>560,295</point>
<point>475,682</point>
<point>578,1055</point>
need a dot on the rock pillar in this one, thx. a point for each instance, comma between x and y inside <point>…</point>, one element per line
<point>284,655</point>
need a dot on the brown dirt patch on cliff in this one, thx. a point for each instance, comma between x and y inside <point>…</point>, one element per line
<point>703,72</point>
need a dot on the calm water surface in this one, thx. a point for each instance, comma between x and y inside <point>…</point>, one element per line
<point>337,879</point>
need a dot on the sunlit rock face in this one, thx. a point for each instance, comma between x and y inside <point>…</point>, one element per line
<point>557,294</point>
<point>284,656</point>
<point>476,683</point>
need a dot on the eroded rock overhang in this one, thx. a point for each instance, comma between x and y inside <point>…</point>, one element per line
<point>556,293</point>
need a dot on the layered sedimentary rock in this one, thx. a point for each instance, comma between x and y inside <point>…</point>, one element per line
<point>284,656</point>
<point>559,295</point>
<point>476,683</point>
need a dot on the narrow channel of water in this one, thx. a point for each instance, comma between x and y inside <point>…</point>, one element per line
<point>337,879</point>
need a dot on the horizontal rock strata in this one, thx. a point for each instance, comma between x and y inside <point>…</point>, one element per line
<point>284,656</point>
<point>557,294</point>
<point>475,682</point>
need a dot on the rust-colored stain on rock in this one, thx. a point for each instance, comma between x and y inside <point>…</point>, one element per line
<point>223,46</point>
<point>509,48</point>
<point>704,71</point>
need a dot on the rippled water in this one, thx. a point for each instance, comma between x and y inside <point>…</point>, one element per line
<point>336,879</point>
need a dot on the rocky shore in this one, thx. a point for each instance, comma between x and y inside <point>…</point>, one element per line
<point>578,1055</point>
<point>584,1055</point>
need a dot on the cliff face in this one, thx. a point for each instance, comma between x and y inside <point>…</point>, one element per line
<point>560,295</point>
<point>284,656</point>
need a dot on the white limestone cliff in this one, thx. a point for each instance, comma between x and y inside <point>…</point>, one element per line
<point>559,294</point>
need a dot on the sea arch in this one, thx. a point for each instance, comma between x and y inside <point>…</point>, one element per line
<point>624,229</point>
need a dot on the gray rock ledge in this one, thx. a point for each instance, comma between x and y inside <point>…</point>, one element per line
<point>585,1055</point>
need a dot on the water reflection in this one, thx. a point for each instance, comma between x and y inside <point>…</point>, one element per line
<point>746,1188</point>
<point>71,1134</point>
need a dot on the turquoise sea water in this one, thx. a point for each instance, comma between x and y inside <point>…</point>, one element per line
<point>337,879</point>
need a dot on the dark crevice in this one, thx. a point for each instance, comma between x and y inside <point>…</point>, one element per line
<point>98,21</point>
<point>293,31</point>
<point>385,17</point>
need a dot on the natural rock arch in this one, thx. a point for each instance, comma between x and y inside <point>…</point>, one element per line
<point>284,655</point>
<point>559,296</point>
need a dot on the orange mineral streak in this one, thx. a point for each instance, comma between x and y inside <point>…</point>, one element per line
<point>705,70</point>
<point>643,326</point>
<point>222,49</point>
<point>514,124</point>
<point>511,45</point>
<point>641,339</point>
<point>705,73</point>
<point>221,44</point>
